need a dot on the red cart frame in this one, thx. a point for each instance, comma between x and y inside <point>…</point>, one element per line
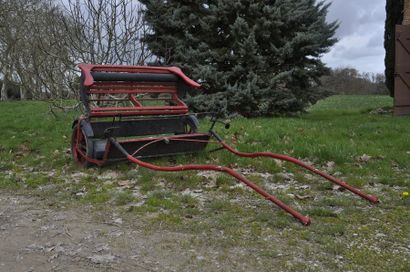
<point>134,130</point>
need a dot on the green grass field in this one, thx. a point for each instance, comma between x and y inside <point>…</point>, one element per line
<point>344,135</point>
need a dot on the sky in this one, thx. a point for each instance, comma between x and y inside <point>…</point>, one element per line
<point>360,34</point>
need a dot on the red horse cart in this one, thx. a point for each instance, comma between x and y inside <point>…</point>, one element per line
<point>136,112</point>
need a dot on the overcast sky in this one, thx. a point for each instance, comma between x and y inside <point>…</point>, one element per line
<point>361,35</point>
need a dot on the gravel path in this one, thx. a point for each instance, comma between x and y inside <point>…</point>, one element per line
<point>38,236</point>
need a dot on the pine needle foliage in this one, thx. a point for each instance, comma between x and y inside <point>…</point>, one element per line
<point>253,58</point>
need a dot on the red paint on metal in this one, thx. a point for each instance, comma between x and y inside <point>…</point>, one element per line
<point>79,156</point>
<point>137,112</point>
<point>209,167</point>
<point>133,91</point>
<point>370,198</point>
<point>181,137</point>
<point>89,81</point>
<point>172,105</point>
<point>134,101</point>
<point>119,109</point>
<point>302,218</point>
<point>132,85</point>
<point>178,101</point>
<point>175,107</point>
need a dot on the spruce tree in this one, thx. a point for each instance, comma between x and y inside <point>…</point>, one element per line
<point>394,16</point>
<point>255,58</point>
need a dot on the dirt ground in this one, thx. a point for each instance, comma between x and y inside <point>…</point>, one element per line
<point>39,236</point>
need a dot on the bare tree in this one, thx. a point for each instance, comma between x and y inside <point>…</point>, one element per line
<point>52,63</point>
<point>8,40</point>
<point>41,41</point>
<point>105,31</point>
<point>31,52</point>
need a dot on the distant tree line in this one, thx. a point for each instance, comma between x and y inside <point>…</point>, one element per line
<point>351,81</point>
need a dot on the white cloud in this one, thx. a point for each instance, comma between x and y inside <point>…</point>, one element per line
<point>360,35</point>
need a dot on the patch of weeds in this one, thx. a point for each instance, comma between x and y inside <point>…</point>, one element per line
<point>143,209</point>
<point>273,219</point>
<point>166,218</point>
<point>357,182</point>
<point>336,201</point>
<point>335,248</point>
<point>401,266</point>
<point>123,198</point>
<point>333,229</point>
<point>147,183</point>
<point>186,200</point>
<point>182,181</point>
<point>269,253</point>
<point>189,212</point>
<point>161,200</point>
<point>88,179</point>
<point>269,165</point>
<point>263,216</point>
<point>320,212</point>
<point>255,178</point>
<point>121,167</point>
<point>256,229</point>
<point>133,174</point>
<point>95,196</point>
<point>228,184</point>
<point>228,223</point>
<point>365,257</point>
<point>35,181</point>
<point>9,183</point>
<point>395,181</point>
<point>6,164</point>
<point>297,266</point>
<point>223,181</point>
<point>218,205</point>
<point>325,186</point>
<point>226,216</point>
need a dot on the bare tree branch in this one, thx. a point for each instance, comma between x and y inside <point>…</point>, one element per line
<point>105,31</point>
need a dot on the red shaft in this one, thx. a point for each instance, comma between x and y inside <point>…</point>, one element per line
<point>370,198</point>
<point>303,219</point>
<point>209,167</point>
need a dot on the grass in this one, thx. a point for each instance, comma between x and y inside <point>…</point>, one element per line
<point>340,134</point>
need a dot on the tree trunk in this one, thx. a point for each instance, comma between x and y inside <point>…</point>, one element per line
<point>406,12</point>
<point>3,96</point>
<point>22,93</point>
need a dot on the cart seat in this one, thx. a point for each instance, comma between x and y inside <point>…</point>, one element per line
<point>111,91</point>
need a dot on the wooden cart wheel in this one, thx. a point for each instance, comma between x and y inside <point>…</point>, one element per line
<point>80,147</point>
